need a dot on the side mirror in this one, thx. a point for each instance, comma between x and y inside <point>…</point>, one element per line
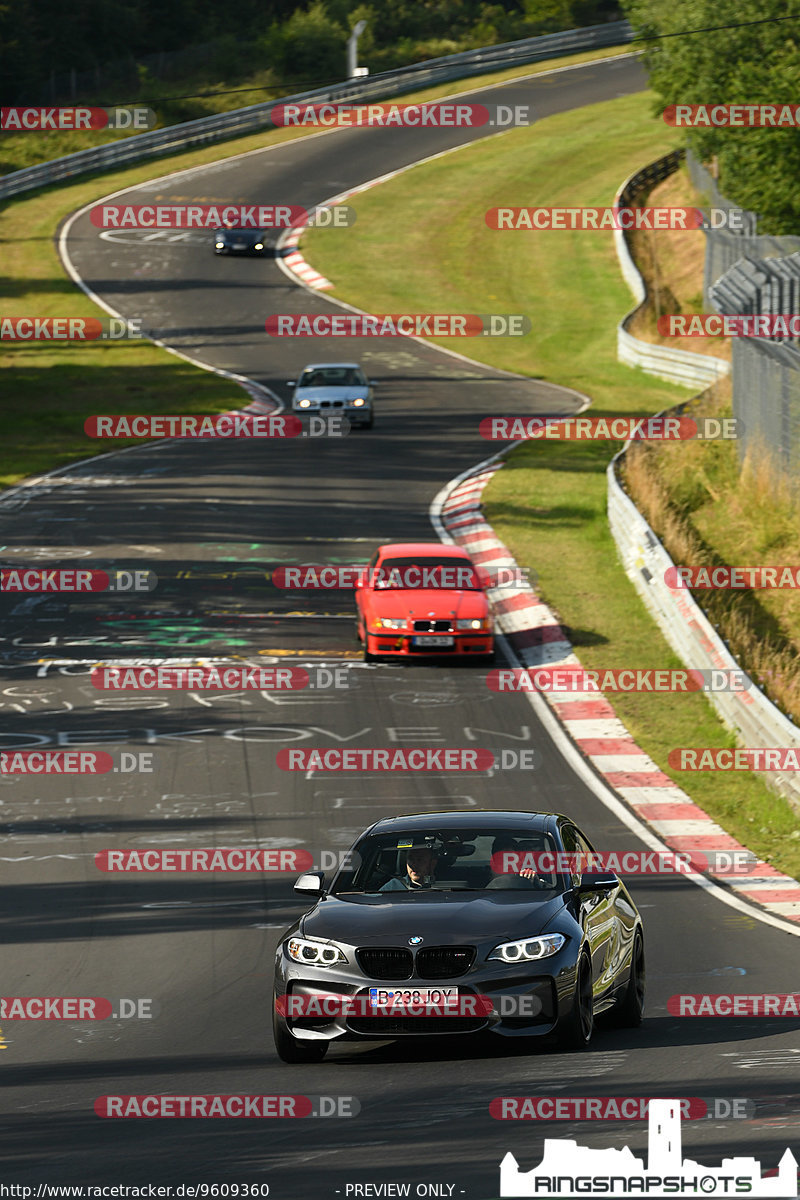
<point>374,382</point>
<point>598,881</point>
<point>291,382</point>
<point>310,883</point>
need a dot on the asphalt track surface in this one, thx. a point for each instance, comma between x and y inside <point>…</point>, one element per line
<point>210,519</point>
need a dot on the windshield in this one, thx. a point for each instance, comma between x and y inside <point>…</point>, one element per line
<point>404,574</point>
<point>476,860</point>
<point>331,377</point>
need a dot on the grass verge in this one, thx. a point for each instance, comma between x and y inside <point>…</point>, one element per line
<point>55,387</point>
<point>549,503</point>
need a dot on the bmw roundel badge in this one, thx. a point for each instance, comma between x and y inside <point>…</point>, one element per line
<point>414,941</point>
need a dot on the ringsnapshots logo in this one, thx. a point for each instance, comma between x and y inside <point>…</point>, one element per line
<point>70,329</point>
<point>572,1171</point>
<point>614,429</point>
<point>434,115</point>
<point>27,120</point>
<point>460,325</point>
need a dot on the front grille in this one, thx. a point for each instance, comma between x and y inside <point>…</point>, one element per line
<point>444,962</point>
<point>392,1026</point>
<point>433,626</point>
<point>331,404</point>
<point>385,962</point>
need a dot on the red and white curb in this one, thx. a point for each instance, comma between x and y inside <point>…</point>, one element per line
<point>298,265</point>
<point>537,639</point>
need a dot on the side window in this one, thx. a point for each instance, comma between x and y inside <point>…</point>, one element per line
<point>573,844</point>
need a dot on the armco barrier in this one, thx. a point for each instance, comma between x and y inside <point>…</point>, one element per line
<point>677,366</point>
<point>754,718</point>
<point>242,121</point>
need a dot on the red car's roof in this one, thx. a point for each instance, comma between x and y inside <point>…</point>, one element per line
<point>408,549</point>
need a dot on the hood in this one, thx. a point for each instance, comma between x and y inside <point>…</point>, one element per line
<point>419,603</point>
<point>440,918</point>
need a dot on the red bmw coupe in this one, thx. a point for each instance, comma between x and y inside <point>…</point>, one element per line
<point>423,598</point>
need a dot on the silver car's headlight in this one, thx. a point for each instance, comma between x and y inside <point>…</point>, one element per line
<point>359,402</point>
<point>220,245</point>
<point>316,954</point>
<point>393,622</point>
<point>473,623</point>
<point>529,949</point>
<point>258,246</point>
<point>303,403</point>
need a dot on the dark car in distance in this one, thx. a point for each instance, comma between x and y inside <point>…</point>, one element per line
<point>440,909</point>
<point>240,241</point>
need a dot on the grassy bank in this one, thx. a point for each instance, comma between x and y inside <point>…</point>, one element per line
<point>549,503</point>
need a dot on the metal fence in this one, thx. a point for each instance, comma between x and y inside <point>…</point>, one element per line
<point>724,247</point>
<point>747,272</point>
<point>255,117</point>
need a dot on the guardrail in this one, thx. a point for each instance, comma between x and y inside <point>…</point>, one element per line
<point>751,715</point>
<point>223,126</point>
<point>676,366</point>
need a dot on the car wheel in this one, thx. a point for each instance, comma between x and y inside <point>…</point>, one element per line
<point>290,1049</point>
<point>628,1012</point>
<point>575,1031</point>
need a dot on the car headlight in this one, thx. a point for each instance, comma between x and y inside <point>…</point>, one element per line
<point>258,246</point>
<point>473,623</point>
<point>393,622</point>
<point>318,954</point>
<point>303,403</point>
<point>358,402</point>
<point>220,245</point>
<point>529,949</point>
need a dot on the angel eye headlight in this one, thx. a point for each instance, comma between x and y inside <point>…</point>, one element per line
<point>473,623</point>
<point>358,402</point>
<point>303,403</point>
<point>220,245</point>
<point>529,949</point>
<point>393,622</point>
<point>259,246</point>
<point>318,954</point>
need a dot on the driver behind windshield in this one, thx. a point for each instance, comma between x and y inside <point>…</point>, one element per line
<point>420,866</point>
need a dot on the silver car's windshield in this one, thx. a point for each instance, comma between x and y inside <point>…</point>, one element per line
<point>331,377</point>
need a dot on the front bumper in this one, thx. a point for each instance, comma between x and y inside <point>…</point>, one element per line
<point>400,643</point>
<point>526,1002</point>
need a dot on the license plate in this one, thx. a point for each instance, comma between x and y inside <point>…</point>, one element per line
<point>446,997</point>
<point>433,641</point>
<point>239,245</point>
